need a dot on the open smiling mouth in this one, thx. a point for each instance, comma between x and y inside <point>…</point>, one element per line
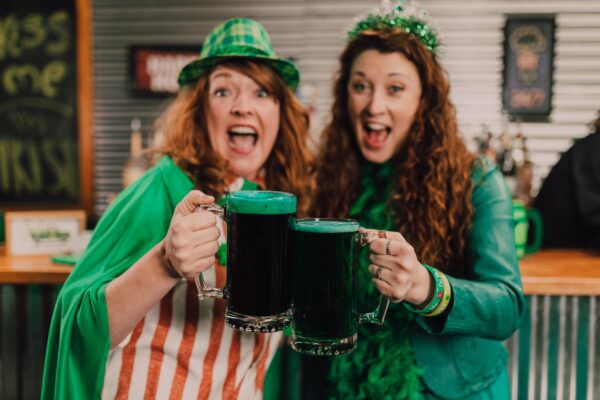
<point>376,135</point>
<point>242,139</point>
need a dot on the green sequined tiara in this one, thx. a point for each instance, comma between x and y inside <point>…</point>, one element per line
<point>398,14</point>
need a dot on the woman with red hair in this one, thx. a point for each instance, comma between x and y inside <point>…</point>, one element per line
<point>441,219</point>
<point>128,323</point>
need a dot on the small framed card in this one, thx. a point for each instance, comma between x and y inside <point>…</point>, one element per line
<point>43,232</point>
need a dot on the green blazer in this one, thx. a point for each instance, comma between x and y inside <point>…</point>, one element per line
<point>463,352</point>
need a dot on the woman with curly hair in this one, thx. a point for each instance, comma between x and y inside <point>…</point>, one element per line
<point>128,323</point>
<point>443,246</point>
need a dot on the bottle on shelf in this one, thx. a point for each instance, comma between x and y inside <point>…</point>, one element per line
<point>137,163</point>
<point>484,144</point>
<point>523,189</point>
<point>505,159</point>
<point>518,152</point>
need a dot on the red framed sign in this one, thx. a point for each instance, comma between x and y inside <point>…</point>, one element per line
<point>154,69</point>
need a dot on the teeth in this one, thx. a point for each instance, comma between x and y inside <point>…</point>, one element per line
<point>376,127</point>
<point>242,130</point>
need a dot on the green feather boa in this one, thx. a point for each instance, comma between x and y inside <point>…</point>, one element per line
<point>383,365</point>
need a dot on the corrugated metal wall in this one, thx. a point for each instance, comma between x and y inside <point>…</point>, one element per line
<point>556,354</point>
<point>313,33</point>
<point>24,323</point>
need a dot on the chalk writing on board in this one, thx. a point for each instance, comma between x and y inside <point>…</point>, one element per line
<point>38,138</point>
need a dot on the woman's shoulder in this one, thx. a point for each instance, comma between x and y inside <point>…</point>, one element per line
<point>482,168</point>
<point>169,173</point>
<point>165,180</point>
<point>487,178</point>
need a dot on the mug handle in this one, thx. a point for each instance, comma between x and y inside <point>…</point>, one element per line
<point>205,292</point>
<point>378,315</point>
<point>535,217</point>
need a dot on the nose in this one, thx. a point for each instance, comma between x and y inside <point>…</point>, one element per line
<point>242,105</point>
<point>376,103</point>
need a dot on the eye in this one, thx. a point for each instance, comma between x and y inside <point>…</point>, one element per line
<point>262,93</point>
<point>359,87</point>
<point>396,88</point>
<point>221,92</point>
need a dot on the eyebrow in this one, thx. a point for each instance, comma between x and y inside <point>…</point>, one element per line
<point>221,74</point>
<point>392,74</point>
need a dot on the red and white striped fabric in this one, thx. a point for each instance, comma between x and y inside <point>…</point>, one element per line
<point>183,349</point>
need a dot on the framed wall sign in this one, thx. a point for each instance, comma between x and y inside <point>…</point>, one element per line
<point>154,69</point>
<point>528,66</point>
<point>43,232</point>
<point>46,159</point>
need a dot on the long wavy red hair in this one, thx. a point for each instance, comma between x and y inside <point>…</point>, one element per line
<point>186,138</point>
<point>431,198</point>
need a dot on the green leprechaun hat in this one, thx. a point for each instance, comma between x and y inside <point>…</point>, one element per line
<point>239,38</point>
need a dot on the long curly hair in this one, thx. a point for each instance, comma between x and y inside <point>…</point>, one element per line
<point>186,139</point>
<point>431,198</point>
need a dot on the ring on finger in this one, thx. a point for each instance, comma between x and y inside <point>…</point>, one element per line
<point>378,272</point>
<point>381,234</point>
<point>387,247</point>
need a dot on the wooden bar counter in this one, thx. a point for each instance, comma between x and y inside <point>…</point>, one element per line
<point>31,270</point>
<point>561,272</point>
<point>548,272</point>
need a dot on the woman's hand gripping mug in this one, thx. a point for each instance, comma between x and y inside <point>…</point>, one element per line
<point>324,255</point>
<point>258,284</point>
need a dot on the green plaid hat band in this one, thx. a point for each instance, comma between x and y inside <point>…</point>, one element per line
<point>239,38</point>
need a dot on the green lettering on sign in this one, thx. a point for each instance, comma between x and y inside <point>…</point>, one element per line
<point>27,180</point>
<point>9,37</point>
<point>23,165</point>
<point>34,32</point>
<point>59,25</point>
<point>63,168</point>
<point>17,77</point>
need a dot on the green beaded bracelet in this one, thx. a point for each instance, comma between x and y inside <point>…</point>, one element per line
<point>437,294</point>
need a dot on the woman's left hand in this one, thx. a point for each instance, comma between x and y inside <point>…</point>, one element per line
<point>397,273</point>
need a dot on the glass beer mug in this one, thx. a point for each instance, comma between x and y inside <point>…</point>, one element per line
<point>527,219</point>
<point>324,256</point>
<point>258,288</point>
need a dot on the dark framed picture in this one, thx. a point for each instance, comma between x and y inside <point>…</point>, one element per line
<point>154,68</point>
<point>528,66</point>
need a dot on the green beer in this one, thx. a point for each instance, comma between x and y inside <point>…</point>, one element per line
<point>258,282</point>
<point>324,259</point>
<point>323,254</point>
<point>258,286</point>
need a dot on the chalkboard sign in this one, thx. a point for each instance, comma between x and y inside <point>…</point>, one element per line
<point>45,129</point>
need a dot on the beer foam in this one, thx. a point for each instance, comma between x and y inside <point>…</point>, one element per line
<point>261,202</point>
<point>326,225</point>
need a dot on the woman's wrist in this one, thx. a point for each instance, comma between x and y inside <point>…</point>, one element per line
<point>429,305</point>
<point>167,267</point>
<point>424,289</point>
<point>441,299</point>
